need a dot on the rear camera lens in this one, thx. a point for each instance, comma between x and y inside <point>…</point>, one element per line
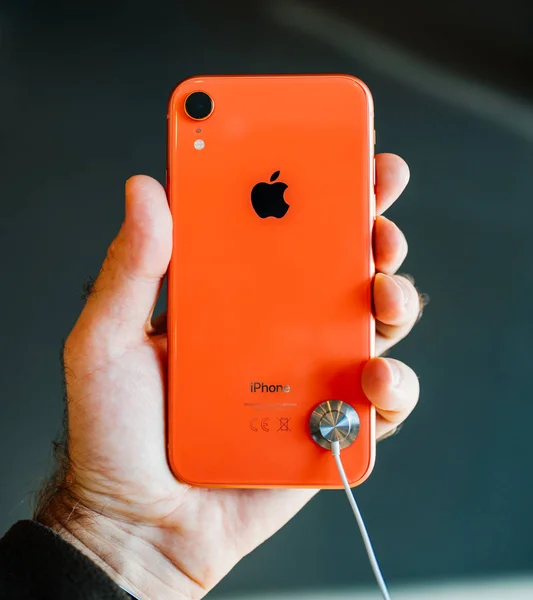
<point>198,105</point>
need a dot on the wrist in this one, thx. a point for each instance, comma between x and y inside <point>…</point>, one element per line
<point>117,548</point>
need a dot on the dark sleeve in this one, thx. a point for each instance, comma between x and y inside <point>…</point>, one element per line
<point>38,564</point>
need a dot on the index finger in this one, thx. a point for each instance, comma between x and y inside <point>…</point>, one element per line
<point>392,175</point>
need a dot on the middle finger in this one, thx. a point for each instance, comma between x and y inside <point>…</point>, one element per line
<point>390,246</point>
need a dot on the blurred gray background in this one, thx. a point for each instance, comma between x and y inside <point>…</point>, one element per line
<point>83,92</point>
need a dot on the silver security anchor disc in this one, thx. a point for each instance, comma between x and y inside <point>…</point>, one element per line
<point>334,421</point>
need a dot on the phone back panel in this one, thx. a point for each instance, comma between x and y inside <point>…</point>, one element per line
<point>279,303</point>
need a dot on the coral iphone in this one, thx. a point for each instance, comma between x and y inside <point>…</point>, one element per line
<point>270,183</point>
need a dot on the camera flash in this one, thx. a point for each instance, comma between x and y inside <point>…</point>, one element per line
<point>199,144</point>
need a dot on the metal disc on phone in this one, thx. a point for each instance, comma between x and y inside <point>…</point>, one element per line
<point>334,421</point>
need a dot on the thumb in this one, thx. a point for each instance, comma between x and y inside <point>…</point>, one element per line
<point>123,296</point>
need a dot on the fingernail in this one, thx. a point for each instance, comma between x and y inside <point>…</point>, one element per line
<point>396,373</point>
<point>404,286</point>
<point>400,285</point>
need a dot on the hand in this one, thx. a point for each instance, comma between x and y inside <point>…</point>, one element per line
<point>115,497</point>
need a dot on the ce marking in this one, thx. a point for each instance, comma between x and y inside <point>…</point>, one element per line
<point>263,423</point>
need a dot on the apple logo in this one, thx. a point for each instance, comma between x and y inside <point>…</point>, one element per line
<point>268,200</point>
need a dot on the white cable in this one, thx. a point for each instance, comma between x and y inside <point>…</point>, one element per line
<point>336,450</point>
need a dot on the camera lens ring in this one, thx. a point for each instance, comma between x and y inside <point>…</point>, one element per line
<point>199,106</point>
